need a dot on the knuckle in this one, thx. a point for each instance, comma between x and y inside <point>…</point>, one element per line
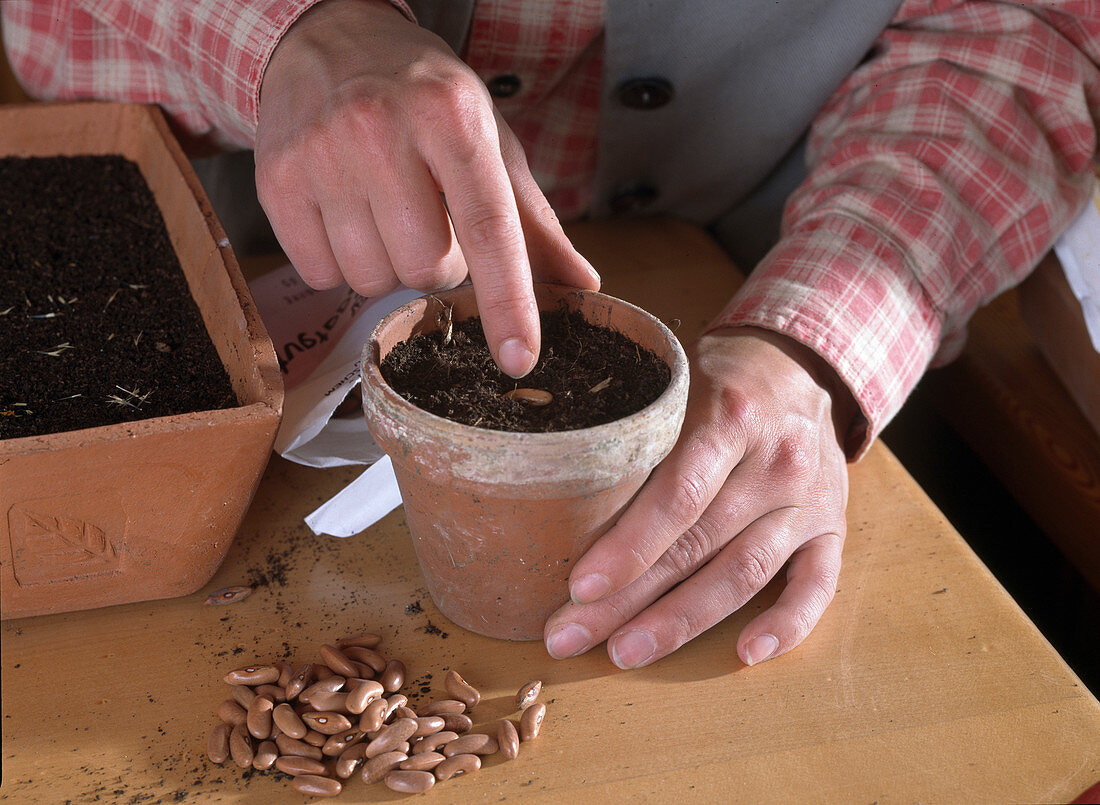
<point>739,410</point>
<point>277,178</point>
<point>493,232</point>
<point>427,278</point>
<point>791,456</point>
<point>691,497</point>
<point>751,570</point>
<point>693,549</point>
<point>370,285</point>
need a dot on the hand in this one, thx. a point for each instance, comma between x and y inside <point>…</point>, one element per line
<point>367,123</point>
<point>756,478</point>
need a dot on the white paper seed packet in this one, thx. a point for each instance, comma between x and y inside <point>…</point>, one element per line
<point>318,338</point>
<point>1078,251</point>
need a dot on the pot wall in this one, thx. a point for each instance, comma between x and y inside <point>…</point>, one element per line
<point>498,519</point>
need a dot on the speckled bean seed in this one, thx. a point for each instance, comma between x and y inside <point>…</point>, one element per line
<point>535,397</point>
<point>457,764</point>
<point>508,739</point>
<point>457,722</point>
<point>410,782</point>
<point>393,676</point>
<point>286,673</point>
<point>336,744</point>
<point>443,707</point>
<point>301,680</point>
<point>253,675</point>
<point>396,733</point>
<point>288,721</point>
<point>290,746</point>
<point>297,765</point>
<point>366,640</point>
<point>363,694</point>
<point>232,713</point>
<point>326,722</point>
<point>474,743</point>
<point>392,703</point>
<point>462,690</point>
<point>259,718</point>
<point>377,767</point>
<point>349,760</point>
<point>427,725</point>
<point>217,744</point>
<point>266,753</point>
<point>429,743</point>
<point>527,695</point>
<point>337,661</point>
<point>240,746</point>
<point>375,661</point>
<point>324,700</point>
<point>423,761</point>
<point>273,692</point>
<point>531,721</point>
<point>317,786</point>
<point>242,695</point>
<point>329,684</point>
<point>373,716</point>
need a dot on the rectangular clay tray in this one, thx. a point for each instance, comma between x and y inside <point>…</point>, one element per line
<point>147,509</point>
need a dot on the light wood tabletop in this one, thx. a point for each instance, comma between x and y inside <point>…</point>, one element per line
<point>923,682</point>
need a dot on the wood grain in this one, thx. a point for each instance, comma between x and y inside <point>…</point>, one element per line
<point>923,681</point>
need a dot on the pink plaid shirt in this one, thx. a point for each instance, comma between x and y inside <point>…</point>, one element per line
<point>941,170</point>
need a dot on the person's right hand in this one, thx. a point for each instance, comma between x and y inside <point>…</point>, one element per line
<point>380,160</point>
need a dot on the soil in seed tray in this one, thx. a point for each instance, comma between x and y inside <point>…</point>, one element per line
<point>97,325</point>
<point>596,375</point>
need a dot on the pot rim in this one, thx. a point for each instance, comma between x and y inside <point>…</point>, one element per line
<point>486,439</point>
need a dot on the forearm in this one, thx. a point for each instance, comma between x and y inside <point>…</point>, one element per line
<point>940,174</point>
<point>202,61</point>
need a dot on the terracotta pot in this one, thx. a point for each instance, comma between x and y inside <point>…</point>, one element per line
<point>147,509</point>
<point>498,518</point>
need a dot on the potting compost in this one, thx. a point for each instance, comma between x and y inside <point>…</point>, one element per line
<point>97,324</point>
<point>593,374</point>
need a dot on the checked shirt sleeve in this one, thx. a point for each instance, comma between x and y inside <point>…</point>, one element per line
<point>940,173</point>
<point>202,61</point>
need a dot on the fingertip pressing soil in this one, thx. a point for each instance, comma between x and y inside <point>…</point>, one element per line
<point>97,324</point>
<point>596,375</point>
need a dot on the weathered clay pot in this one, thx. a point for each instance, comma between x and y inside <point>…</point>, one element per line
<point>497,518</point>
<point>147,509</point>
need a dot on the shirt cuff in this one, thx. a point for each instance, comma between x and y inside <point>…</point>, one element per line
<point>244,56</point>
<point>844,292</point>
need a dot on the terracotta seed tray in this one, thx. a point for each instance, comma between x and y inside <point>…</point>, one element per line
<point>147,509</point>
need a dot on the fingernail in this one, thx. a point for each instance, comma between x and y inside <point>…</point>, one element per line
<point>516,358</point>
<point>595,275</point>
<point>760,648</point>
<point>568,640</point>
<point>633,649</point>
<point>589,588</point>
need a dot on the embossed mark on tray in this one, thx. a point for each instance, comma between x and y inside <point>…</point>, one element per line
<point>49,547</point>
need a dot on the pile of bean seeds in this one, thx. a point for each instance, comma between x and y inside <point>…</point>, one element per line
<point>323,722</point>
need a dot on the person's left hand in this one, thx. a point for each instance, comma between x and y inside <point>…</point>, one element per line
<point>757,478</point>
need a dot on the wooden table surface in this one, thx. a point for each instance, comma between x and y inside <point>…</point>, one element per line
<point>923,682</point>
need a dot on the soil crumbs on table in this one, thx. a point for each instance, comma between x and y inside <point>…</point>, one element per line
<point>596,375</point>
<point>97,324</point>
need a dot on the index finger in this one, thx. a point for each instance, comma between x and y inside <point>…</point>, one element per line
<point>486,221</point>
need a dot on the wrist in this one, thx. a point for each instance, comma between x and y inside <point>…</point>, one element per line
<point>844,409</point>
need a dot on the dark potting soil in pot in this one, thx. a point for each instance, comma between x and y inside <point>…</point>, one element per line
<point>97,325</point>
<point>595,375</point>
